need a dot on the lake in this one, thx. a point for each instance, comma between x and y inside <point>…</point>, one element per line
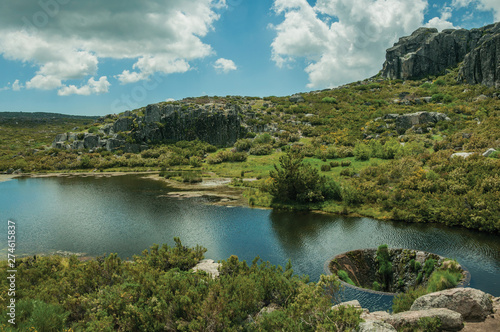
<point>127,214</point>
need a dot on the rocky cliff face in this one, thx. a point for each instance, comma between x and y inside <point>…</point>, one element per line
<point>217,124</point>
<point>429,52</point>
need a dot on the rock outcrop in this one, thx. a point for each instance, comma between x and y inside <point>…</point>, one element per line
<point>451,307</point>
<point>450,320</point>
<point>209,266</point>
<point>429,52</point>
<point>217,124</point>
<point>419,122</point>
<point>471,303</point>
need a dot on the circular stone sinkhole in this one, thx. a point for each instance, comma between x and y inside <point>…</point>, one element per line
<point>407,269</point>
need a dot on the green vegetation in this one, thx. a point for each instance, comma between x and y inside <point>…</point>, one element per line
<point>157,291</point>
<point>345,277</point>
<point>384,265</point>
<point>424,324</point>
<point>298,182</point>
<point>448,275</point>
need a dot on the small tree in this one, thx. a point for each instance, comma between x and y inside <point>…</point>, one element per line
<point>385,266</point>
<point>296,181</point>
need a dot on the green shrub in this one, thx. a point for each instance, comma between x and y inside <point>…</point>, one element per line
<point>195,161</point>
<point>419,278</point>
<point>429,265</point>
<point>345,163</point>
<point>347,172</point>
<point>440,82</point>
<point>296,181</point>
<point>334,164</point>
<point>329,100</point>
<point>263,139</point>
<point>326,168</point>
<point>384,265</point>
<point>93,130</point>
<point>261,149</point>
<point>441,98</point>
<point>440,280</point>
<point>40,315</point>
<point>403,301</point>
<point>345,277</point>
<point>351,196</point>
<point>376,286</point>
<point>361,152</point>
<point>243,145</point>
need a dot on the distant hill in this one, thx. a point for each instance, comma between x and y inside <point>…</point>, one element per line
<point>42,115</point>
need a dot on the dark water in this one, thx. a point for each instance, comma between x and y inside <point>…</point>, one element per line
<point>127,214</point>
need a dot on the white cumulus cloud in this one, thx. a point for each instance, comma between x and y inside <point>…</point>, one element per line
<point>16,86</point>
<point>67,40</point>
<point>92,87</point>
<point>342,40</point>
<point>482,5</point>
<point>442,22</point>
<point>224,65</point>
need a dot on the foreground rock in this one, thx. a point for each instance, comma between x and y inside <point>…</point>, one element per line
<point>429,52</point>
<point>471,303</point>
<point>375,326</point>
<point>209,266</point>
<point>450,320</point>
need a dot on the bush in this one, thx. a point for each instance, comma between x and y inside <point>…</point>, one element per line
<point>345,277</point>
<point>351,196</point>
<point>261,149</point>
<point>345,163</point>
<point>296,181</point>
<point>385,266</point>
<point>334,164</point>
<point>440,82</point>
<point>441,98</point>
<point>326,168</point>
<point>347,172</point>
<point>403,301</point>
<point>429,265</point>
<point>40,315</point>
<point>263,139</point>
<point>93,130</point>
<point>361,152</point>
<point>195,161</point>
<point>329,100</point>
<point>243,145</point>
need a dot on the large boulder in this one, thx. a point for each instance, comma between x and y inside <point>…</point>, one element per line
<point>114,144</point>
<point>297,98</point>
<point>471,303</point>
<point>91,141</point>
<point>375,326</point>
<point>209,266</point>
<point>123,124</point>
<point>489,152</point>
<point>353,303</point>
<point>406,121</point>
<point>450,320</point>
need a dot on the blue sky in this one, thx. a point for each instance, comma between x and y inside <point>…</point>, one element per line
<point>96,57</point>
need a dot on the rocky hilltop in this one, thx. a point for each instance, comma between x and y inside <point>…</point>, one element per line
<point>218,124</point>
<point>429,52</point>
